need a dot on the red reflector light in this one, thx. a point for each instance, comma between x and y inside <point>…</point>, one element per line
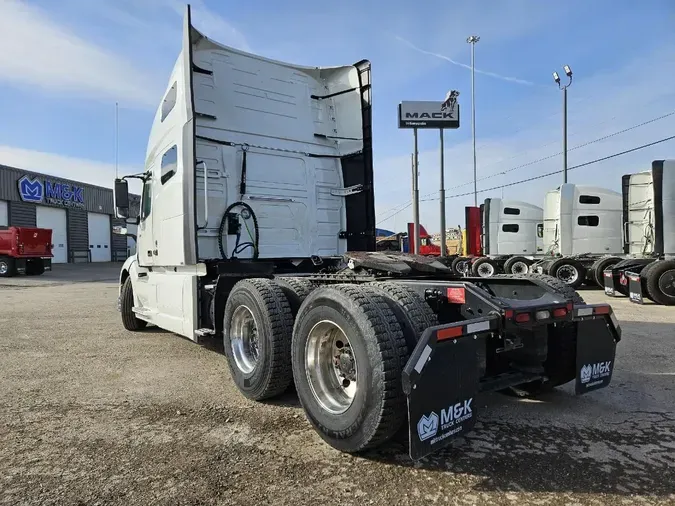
<point>449,333</point>
<point>560,312</point>
<point>570,306</point>
<point>456,295</point>
<point>508,314</point>
<point>523,317</point>
<point>601,310</point>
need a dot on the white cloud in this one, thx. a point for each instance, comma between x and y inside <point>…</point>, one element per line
<point>463,65</point>
<point>612,101</point>
<point>77,169</point>
<point>41,53</point>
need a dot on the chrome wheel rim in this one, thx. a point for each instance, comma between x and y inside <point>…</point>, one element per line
<point>519,268</point>
<point>567,274</point>
<point>486,270</point>
<point>244,339</point>
<point>331,367</point>
<point>3,268</point>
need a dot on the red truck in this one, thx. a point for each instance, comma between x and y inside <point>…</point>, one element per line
<point>24,249</point>
<point>401,242</point>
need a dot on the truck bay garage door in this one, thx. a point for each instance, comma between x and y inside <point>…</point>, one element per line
<point>99,237</point>
<point>55,218</point>
<point>3,214</point>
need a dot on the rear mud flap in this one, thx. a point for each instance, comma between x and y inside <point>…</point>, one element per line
<point>635,288</point>
<point>441,380</point>
<point>597,337</point>
<point>610,282</point>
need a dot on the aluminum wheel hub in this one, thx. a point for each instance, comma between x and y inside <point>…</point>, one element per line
<point>244,339</point>
<point>331,367</point>
<point>567,274</point>
<point>486,270</point>
<point>519,268</point>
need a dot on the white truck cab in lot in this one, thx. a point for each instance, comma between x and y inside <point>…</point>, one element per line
<point>247,158</point>
<point>257,226</point>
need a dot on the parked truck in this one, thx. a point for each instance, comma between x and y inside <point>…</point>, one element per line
<point>582,233</point>
<point>511,235</point>
<point>24,250</point>
<point>648,271</point>
<point>257,228</point>
<point>400,242</point>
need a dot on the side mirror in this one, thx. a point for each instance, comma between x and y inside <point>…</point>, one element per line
<point>122,198</point>
<point>117,230</point>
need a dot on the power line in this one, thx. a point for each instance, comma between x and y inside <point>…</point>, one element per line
<point>585,164</point>
<point>599,139</point>
<point>541,176</point>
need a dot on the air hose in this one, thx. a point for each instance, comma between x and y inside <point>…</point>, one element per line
<point>238,248</point>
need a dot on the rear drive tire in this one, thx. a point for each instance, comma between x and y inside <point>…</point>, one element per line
<point>257,330</point>
<point>485,268</point>
<point>412,312</point>
<point>296,290</point>
<point>460,265</point>
<point>569,271</point>
<point>7,267</point>
<point>597,270</point>
<point>517,265</point>
<point>129,319</point>
<point>348,355</point>
<point>643,280</point>
<point>661,282</point>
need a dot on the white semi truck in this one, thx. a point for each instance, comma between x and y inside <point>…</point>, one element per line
<point>257,228</point>
<point>511,237</point>
<point>582,233</point>
<point>648,237</point>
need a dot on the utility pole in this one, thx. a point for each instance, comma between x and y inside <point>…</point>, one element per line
<point>556,78</point>
<point>116,141</point>
<point>473,39</point>
<point>442,195</point>
<point>416,197</point>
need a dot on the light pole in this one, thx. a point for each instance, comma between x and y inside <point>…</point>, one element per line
<point>556,78</point>
<point>472,40</point>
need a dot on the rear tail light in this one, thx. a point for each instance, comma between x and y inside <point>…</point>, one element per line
<point>542,315</point>
<point>522,317</point>
<point>601,310</point>
<point>560,312</point>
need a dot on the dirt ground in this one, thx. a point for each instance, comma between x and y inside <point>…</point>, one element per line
<point>92,414</point>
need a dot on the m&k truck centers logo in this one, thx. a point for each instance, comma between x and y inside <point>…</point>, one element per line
<point>35,191</point>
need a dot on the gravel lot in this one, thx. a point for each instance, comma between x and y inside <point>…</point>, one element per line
<point>91,414</point>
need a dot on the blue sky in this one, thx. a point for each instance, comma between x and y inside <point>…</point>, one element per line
<point>66,63</point>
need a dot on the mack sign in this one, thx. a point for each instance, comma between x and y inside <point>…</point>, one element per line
<point>39,191</point>
<point>428,114</point>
